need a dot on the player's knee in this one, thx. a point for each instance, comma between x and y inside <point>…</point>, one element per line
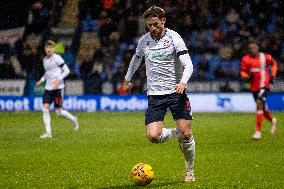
<point>153,137</point>
<point>259,107</point>
<point>185,134</point>
<point>260,104</point>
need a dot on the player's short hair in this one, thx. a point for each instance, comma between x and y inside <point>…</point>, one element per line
<point>254,41</point>
<point>49,43</point>
<point>154,11</point>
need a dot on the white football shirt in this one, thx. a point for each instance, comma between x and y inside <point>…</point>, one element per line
<point>53,70</point>
<point>163,68</point>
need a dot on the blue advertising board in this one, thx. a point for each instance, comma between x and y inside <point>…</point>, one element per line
<point>202,102</point>
<point>78,103</point>
<point>275,101</point>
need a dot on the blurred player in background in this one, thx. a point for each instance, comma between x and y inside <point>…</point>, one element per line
<point>168,69</point>
<point>55,71</point>
<point>260,69</point>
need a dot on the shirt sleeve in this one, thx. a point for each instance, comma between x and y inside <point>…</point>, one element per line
<point>244,68</point>
<point>61,63</point>
<point>188,67</point>
<point>139,50</point>
<point>179,45</point>
<point>133,66</point>
<point>59,60</point>
<point>65,72</point>
<point>271,61</point>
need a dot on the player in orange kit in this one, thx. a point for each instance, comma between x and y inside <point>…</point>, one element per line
<point>260,69</point>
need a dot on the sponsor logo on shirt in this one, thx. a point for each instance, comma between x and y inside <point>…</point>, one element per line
<point>255,70</point>
<point>160,55</point>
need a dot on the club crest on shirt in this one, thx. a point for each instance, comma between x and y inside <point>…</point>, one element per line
<point>166,43</point>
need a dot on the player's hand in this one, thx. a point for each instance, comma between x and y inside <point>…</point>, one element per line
<point>180,87</point>
<point>38,83</point>
<point>248,79</point>
<point>127,85</point>
<point>272,79</point>
<point>55,83</point>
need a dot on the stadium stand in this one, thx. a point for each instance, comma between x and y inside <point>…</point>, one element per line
<point>98,38</point>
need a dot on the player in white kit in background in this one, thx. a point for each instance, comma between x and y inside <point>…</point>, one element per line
<point>168,69</point>
<point>55,71</point>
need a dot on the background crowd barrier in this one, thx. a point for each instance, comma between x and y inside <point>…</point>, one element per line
<point>200,102</point>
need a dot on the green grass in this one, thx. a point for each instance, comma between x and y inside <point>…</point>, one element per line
<point>107,145</point>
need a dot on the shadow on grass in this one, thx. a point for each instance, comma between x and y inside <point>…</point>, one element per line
<point>149,186</point>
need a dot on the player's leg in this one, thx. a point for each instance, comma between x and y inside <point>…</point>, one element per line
<point>273,127</point>
<point>271,119</point>
<point>154,131</point>
<point>154,117</point>
<point>64,113</point>
<point>267,114</point>
<point>187,146</point>
<point>47,100</point>
<point>259,119</point>
<point>61,112</point>
<point>181,111</point>
<point>259,114</point>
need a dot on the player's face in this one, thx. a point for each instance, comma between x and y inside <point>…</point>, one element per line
<point>253,49</point>
<point>49,50</point>
<point>156,26</point>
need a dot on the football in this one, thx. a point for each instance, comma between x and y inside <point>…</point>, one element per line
<point>142,174</point>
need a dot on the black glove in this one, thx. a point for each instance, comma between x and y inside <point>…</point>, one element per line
<point>248,79</point>
<point>272,79</point>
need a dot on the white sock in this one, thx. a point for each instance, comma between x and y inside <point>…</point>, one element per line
<point>46,120</point>
<point>166,134</point>
<point>67,115</point>
<point>188,149</point>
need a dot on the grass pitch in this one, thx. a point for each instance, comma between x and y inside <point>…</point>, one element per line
<point>102,153</point>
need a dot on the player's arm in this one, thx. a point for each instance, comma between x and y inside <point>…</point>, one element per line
<point>39,82</point>
<point>133,66</point>
<point>64,72</point>
<point>244,75</point>
<point>273,68</point>
<point>244,70</point>
<point>184,58</point>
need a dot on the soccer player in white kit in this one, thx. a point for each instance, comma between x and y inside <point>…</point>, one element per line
<point>168,69</point>
<point>55,71</point>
